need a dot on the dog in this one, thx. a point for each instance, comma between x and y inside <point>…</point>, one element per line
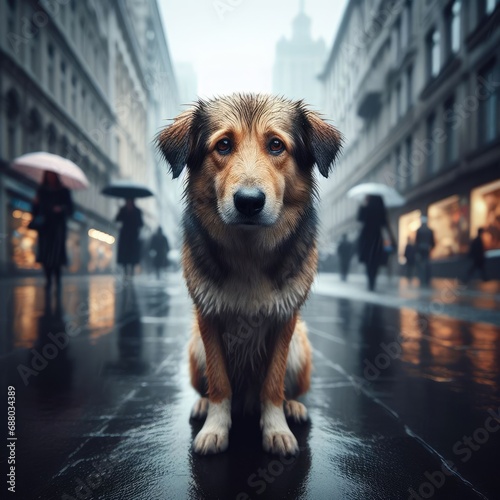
<point>249,256</point>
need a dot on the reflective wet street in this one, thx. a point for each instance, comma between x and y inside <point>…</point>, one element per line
<point>404,403</point>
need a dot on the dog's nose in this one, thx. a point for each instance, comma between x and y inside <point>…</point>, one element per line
<point>249,201</point>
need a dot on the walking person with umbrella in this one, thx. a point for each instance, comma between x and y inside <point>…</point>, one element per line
<point>373,216</point>
<point>159,249</point>
<point>51,209</point>
<point>130,216</point>
<point>129,245</point>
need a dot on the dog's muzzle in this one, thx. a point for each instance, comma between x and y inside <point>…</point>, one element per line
<point>249,201</point>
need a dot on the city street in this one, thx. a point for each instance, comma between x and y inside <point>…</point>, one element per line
<point>404,402</point>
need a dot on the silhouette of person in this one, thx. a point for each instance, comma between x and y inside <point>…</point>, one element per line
<point>477,257</point>
<point>344,252</point>
<point>424,243</point>
<point>51,209</point>
<point>129,246</point>
<point>410,255</point>
<point>373,216</point>
<point>159,247</point>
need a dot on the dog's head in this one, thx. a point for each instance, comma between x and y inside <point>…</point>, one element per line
<point>250,157</point>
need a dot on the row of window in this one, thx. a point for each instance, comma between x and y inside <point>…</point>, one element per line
<point>439,51</point>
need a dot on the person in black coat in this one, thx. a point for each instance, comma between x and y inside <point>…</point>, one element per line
<point>344,251</point>
<point>410,255</point>
<point>477,257</point>
<point>51,209</point>
<point>129,246</point>
<point>373,216</point>
<point>424,243</point>
<point>159,249</point>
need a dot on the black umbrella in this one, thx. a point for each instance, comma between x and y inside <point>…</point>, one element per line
<point>127,189</point>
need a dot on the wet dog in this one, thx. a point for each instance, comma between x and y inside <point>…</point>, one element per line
<point>249,256</point>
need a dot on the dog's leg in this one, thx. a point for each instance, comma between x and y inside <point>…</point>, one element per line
<point>197,369</point>
<point>277,437</point>
<point>214,435</point>
<point>298,376</point>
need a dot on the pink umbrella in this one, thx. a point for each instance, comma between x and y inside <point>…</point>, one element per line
<point>33,165</point>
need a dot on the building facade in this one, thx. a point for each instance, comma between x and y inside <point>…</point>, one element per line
<point>298,62</point>
<point>72,82</point>
<point>414,87</point>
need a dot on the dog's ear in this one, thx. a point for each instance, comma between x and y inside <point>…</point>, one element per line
<point>323,140</point>
<point>175,142</point>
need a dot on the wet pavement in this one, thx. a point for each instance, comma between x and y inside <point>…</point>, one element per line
<point>404,403</point>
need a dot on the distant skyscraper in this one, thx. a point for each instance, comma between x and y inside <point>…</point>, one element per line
<point>298,63</point>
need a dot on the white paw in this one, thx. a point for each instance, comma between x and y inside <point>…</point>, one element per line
<point>295,411</point>
<point>214,435</point>
<point>200,409</point>
<point>280,443</point>
<point>277,437</point>
<point>208,443</point>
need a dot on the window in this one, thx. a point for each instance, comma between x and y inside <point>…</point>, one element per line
<point>63,83</point>
<point>455,25</point>
<point>432,149</point>
<point>399,101</point>
<point>485,207</point>
<point>448,220</point>
<point>73,96</point>
<point>485,7</point>
<point>50,68</point>
<point>412,169</point>
<point>84,108</point>
<point>433,53</point>
<point>397,40</point>
<point>451,129</point>
<point>452,17</point>
<point>409,20</point>
<point>489,106</point>
<point>409,87</point>
<point>400,173</point>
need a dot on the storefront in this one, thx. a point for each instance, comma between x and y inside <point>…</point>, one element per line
<point>408,225</point>
<point>100,251</point>
<point>485,213</point>
<point>449,219</point>
<point>455,221</point>
<point>22,241</point>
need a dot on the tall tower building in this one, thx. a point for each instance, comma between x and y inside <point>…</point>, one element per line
<point>299,61</point>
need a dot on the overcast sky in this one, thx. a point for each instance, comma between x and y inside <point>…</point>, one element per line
<point>231,43</point>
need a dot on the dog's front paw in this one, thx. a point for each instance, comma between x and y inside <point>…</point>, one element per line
<point>280,443</point>
<point>214,435</point>
<point>295,411</point>
<point>277,437</point>
<point>200,409</point>
<point>210,442</point>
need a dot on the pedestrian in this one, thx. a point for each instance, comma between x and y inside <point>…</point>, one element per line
<point>424,243</point>
<point>129,247</point>
<point>344,251</point>
<point>477,257</point>
<point>51,209</point>
<point>410,255</point>
<point>159,249</point>
<point>373,216</point>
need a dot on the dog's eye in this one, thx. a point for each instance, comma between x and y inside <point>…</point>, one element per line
<point>223,146</point>
<point>276,146</point>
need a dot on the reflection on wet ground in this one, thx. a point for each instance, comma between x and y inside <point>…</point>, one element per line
<point>103,401</point>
